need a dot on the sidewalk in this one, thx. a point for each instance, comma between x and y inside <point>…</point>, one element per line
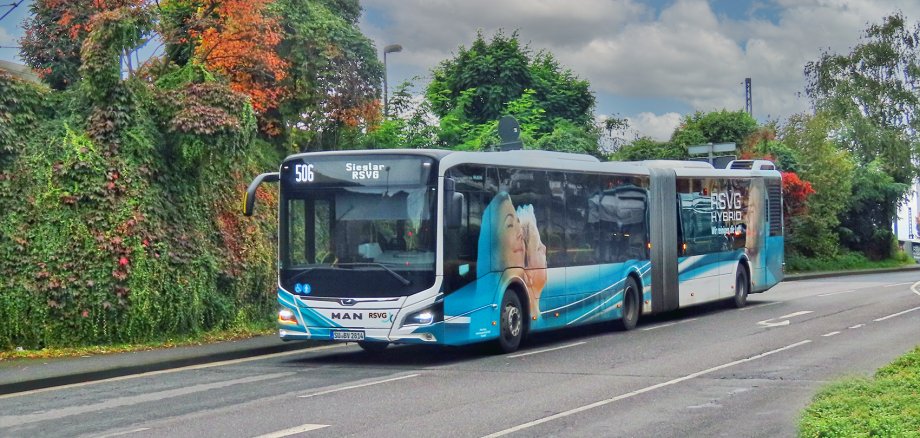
<point>30,374</point>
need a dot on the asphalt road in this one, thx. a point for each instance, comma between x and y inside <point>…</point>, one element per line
<point>705,371</point>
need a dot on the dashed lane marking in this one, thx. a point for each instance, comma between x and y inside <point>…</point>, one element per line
<point>293,431</point>
<point>757,306</point>
<point>837,293</point>
<point>125,432</point>
<point>668,324</point>
<point>896,314</point>
<point>546,350</point>
<point>830,334</point>
<point>344,388</point>
<point>857,326</point>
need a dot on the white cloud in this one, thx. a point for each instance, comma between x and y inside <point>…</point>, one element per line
<point>685,54</point>
<point>5,38</point>
<point>658,127</point>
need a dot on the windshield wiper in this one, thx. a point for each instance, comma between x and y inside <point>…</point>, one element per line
<point>382,266</point>
<point>309,269</point>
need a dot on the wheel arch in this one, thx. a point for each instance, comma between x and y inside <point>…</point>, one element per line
<point>519,289</point>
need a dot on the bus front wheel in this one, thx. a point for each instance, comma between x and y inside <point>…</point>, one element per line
<point>631,305</point>
<point>511,323</point>
<point>742,287</point>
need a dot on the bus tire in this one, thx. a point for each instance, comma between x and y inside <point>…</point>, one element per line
<point>631,306</point>
<point>742,287</point>
<point>511,322</point>
<point>373,347</point>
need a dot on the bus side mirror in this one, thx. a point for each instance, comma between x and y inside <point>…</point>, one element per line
<point>249,198</point>
<point>453,205</point>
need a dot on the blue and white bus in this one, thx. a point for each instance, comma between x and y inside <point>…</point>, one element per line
<point>441,247</point>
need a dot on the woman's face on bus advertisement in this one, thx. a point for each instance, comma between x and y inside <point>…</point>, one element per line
<point>510,237</point>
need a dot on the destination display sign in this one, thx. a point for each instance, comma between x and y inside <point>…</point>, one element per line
<point>358,170</point>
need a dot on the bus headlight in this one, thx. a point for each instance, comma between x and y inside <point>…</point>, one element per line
<point>286,316</point>
<point>428,315</point>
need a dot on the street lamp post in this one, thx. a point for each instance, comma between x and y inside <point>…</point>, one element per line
<point>392,48</point>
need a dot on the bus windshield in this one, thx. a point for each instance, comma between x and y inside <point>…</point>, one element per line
<point>359,240</point>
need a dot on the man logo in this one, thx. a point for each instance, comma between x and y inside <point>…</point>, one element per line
<point>346,315</point>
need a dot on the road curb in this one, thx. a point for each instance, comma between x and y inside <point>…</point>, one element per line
<point>809,276</point>
<point>193,355</point>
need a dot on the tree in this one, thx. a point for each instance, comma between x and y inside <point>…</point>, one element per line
<point>830,171</point>
<point>54,34</point>
<point>234,39</point>
<point>644,148</point>
<point>866,222</point>
<point>334,76</point>
<point>873,95</point>
<point>714,127</point>
<point>499,77</point>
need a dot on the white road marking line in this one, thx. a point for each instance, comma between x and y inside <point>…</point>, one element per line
<point>896,284</point>
<point>641,391</point>
<point>293,431</point>
<point>126,432</point>
<point>546,350</point>
<point>358,386</point>
<point>831,334</point>
<point>669,324</point>
<point>913,288</point>
<point>857,326</point>
<point>130,400</point>
<point>837,293</point>
<point>172,370</point>
<point>896,314</point>
<point>757,306</point>
<point>784,318</point>
<point>794,314</point>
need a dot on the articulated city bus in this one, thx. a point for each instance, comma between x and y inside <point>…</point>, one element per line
<point>441,247</point>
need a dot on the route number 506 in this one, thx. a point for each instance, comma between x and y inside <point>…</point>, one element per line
<point>303,173</point>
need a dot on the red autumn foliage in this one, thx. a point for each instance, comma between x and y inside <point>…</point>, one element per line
<point>237,38</point>
<point>795,194</point>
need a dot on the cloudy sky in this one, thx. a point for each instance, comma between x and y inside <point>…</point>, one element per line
<point>651,61</point>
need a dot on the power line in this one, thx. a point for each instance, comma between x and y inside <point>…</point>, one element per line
<point>12,6</point>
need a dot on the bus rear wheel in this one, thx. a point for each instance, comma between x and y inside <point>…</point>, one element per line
<point>742,288</point>
<point>373,347</point>
<point>511,323</point>
<point>631,306</point>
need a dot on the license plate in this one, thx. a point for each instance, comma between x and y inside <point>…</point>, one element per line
<point>343,335</point>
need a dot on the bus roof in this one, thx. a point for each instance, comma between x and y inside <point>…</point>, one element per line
<point>563,161</point>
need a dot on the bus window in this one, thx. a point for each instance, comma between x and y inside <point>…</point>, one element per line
<point>618,218</point>
<point>580,243</point>
<point>553,229</point>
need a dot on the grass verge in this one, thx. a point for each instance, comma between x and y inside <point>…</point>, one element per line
<point>886,405</point>
<point>199,339</point>
<point>849,261</point>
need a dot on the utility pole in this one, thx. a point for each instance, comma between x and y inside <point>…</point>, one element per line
<point>747,97</point>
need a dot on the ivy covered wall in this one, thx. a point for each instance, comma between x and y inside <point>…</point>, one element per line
<point>119,213</point>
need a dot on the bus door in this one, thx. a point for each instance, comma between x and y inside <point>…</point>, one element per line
<point>663,223</point>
